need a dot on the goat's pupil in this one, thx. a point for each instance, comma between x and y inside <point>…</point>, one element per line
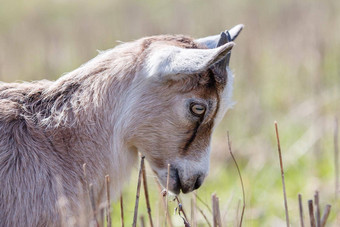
<point>198,109</point>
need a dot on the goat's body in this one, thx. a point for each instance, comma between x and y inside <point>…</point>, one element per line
<point>48,130</point>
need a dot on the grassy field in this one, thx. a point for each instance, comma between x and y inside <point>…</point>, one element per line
<point>287,69</point>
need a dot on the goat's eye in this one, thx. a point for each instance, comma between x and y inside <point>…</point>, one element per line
<point>197,109</point>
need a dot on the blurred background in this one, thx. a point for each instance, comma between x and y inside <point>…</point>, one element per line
<point>286,65</point>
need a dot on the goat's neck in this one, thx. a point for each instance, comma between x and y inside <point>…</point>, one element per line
<point>101,121</point>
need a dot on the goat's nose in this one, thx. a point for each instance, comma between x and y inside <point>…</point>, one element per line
<point>198,182</point>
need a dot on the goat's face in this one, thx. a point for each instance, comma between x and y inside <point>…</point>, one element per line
<point>182,100</point>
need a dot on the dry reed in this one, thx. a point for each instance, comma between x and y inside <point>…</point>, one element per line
<point>301,211</point>
<point>166,196</point>
<point>282,174</point>
<point>317,208</point>
<point>240,176</point>
<point>121,210</point>
<point>108,207</point>
<point>134,224</point>
<point>325,215</point>
<point>311,213</point>
<point>146,193</point>
<point>336,157</point>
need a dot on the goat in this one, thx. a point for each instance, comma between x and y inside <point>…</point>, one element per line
<point>161,96</point>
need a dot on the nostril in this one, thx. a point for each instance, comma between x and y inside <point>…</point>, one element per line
<point>198,183</point>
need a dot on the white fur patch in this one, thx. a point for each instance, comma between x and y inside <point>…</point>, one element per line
<point>226,101</point>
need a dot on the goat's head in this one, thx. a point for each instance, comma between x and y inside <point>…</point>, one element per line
<point>186,92</point>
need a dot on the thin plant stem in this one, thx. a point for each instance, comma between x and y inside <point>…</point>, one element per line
<point>181,207</point>
<point>216,211</point>
<point>336,157</point>
<point>142,221</point>
<point>204,216</point>
<point>121,210</point>
<point>311,213</point>
<point>317,208</point>
<point>108,208</point>
<point>146,192</point>
<point>134,224</point>
<point>325,215</point>
<point>163,201</point>
<point>193,211</point>
<point>282,174</point>
<point>237,213</point>
<point>204,203</point>
<point>240,176</point>
<point>301,211</point>
<point>181,211</point>
<point>93,204</point>
<point>166,196</point>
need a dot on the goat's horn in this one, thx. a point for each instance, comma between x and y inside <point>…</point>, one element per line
<point>224,38</point>
<point>211,41</point>
<point>235,31</point>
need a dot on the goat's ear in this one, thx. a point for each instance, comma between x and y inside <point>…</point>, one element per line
<point>211,41</point>
<point>170,61</point>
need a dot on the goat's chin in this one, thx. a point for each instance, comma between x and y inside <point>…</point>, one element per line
<point>174,189</point>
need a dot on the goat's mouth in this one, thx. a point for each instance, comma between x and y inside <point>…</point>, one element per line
<point>176,185</point>
<point>176,188</point>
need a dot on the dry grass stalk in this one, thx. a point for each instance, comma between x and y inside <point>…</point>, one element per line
<point>93,204</point>
<point>204,216</point>
<point>317,208</point>
<point>311,213</point>
<point>166,196</point>
<point>146,193</point>
<point>336,157</point>
<point>237,213</point>
<point>204,203</point>
<point>108,208</point>
<point>101,215</point>
<point>89,188</point>
<point>121,210</point>
<point>134,224</point>
<point>193,211</point>
<point>282,174</point>
<point>163,202</point>
<point>301,211</point>
<point>240,176</point>
<point>180,208</point>
<point>216,211</point>
<point>325,215</point>
<point>181,212</point>
<point>142,221</point>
